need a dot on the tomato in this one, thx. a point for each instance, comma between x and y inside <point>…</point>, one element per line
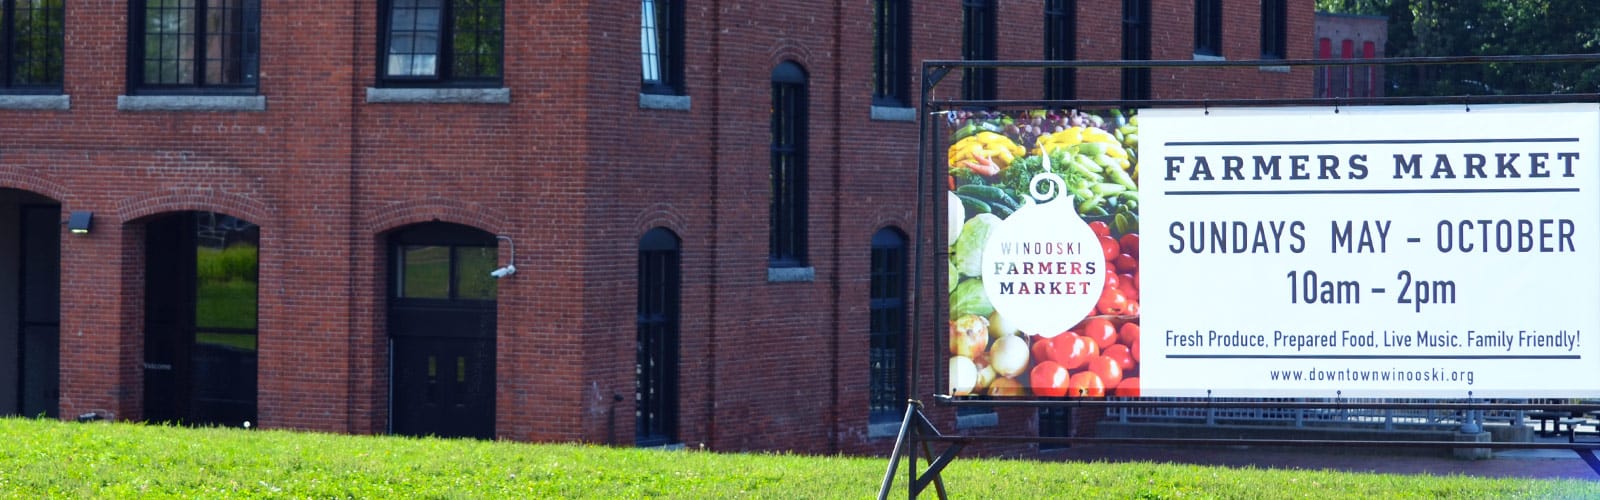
<point>1100,228</point>
<point>1101,331</point>
<point>1128,388</point>
<point>1135,349</point>
<point>1041,349</point>
<point>1049,379</point>
<point>1113,281</point>
<point>1072,351</point>
<point>1109,247</point>
<point>1126,263</point>
<point>1131,308</point>
<point>1112,302</point>
<point>1086,385</point>
<point>1121,355</point>
<point>1130,244</point>
<point>1128,290</point>
<point>1109,371</point>
<point>1128,333</point>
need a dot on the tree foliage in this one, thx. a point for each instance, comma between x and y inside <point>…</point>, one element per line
<point>1419,28</point>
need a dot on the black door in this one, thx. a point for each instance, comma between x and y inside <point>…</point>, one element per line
<point>656,369</point>
<point>200,319</point>
<point>442,331</point>
<point>41,310</point>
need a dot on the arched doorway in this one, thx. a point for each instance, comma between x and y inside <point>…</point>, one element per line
<point>200,319</point>
<point>656,368</point>
<point>441,318</point>
<point>30,310</point>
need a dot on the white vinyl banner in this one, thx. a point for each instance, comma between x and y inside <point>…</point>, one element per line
<point>1404,251</point>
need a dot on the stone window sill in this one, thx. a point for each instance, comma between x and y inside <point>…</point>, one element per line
<point>36,102</point>
<point>889,114</point>
<point>883,430</point>
<point>791,274</point>
<point>663,101</point>
<point>197,103</point>
<point>438,96</point>
<point>977,420</point>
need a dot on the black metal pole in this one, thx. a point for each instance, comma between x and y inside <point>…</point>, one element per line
<point>894,456</point>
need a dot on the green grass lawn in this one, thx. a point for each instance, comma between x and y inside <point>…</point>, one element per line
<point>49,459</point>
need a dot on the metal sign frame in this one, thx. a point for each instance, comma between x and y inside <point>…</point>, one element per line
<point>917,432</point>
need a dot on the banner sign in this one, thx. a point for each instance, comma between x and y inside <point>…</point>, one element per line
<point>1422,251</point>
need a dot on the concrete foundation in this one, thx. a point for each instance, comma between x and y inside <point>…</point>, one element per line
<point>1473,453</point>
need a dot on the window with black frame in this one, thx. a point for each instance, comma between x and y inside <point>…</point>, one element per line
<point>449,43</point>
<point>1274,29</point>
<point>31,43</point>
<point>1136,47</point>
<point>656,368</point>
<point>1208,27</point>
<point>891,52</point>
<point>1060,44</point>
<point>789,132</point>
<point>888,326</point>
<point>661,46</point>
<point>1054,422</point>
<point>194,45</point>
<point>978,44</point>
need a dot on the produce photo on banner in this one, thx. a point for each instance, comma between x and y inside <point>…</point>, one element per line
<point>1431,251</point>
<point>1043,213</point>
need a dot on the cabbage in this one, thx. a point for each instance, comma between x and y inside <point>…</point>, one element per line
<point>970,299</point>
<point>954,213</point>
<point>968,252</point>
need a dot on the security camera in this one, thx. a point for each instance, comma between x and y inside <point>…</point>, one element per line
<point>504,271</point>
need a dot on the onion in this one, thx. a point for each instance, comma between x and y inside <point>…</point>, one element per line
<point>963,375</point>
<point>1009,356</point>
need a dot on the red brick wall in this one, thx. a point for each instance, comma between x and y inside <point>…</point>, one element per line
<point>574,171</point>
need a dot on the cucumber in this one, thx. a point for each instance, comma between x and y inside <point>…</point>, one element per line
<point>963,132</point>
<point>988,194</point>
<point>974,206</point>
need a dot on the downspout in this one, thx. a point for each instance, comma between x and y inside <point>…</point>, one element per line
<point>838,221</point>
<point>715,239</point>
<point>353,423</point>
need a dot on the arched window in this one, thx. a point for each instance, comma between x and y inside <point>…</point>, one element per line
<point>888,328</point>
<point>788,221</point>
<point>656,372</point>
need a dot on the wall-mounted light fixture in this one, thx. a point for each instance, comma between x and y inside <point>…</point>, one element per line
<point>79,221</point>
<point>511,267</point>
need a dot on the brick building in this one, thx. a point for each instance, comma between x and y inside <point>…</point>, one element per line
<point>230,210</point>
<point>1350,36</point>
